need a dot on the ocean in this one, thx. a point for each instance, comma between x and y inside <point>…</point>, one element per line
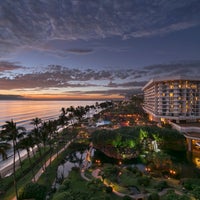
<point>22,112</point>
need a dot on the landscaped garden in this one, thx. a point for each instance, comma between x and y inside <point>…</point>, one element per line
<point>138,163</point>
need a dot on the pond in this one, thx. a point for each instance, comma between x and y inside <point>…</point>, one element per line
<point>74,159</point>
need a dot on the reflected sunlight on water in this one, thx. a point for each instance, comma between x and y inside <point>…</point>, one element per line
<point>23,111</point>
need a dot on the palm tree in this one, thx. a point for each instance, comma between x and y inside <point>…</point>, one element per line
<point>79,112</point>
<point>44,136</point>
<point>19,134</point>
<point>4,146</point>
<point>11,132</point>
<point>32,144</point>
<point>26,143</point>
<point>36,133</point>
<point>62,117</point>
<point>71,113</point>
<point>50,128</point>
<point>36,122</point>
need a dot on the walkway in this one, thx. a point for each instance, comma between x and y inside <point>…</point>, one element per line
<point>41,171</point>
<point>95,174</point>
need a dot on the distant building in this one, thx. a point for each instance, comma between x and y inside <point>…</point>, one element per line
<point>175,99</point>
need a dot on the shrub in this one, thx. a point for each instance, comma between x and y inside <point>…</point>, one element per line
<point>196,192</point>
<point>190,184</point>
<point>161,185</point>
<point>107,198</point>
<point>126,197</point>
<point>32,191</point>
<point>66,183</point>
<point>171,195</point>
<point>63,196</point>
<point>143,181</point>
<point>109,189</point>
<point>62,188</point>
<point>154,196</point>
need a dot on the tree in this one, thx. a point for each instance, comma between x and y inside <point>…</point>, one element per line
<point>44,136</point>
<point>26,143</point>
<point>36,133</point>
<point>4,146</point>
<point>51,129</point>
<point>71,111</point>
<point>161,161</point>
<point>62,117</point>
<point>11,132</point>
<point>36,122</point>
<point>79,112</point>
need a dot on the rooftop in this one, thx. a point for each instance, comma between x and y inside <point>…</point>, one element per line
<point>171,78</point>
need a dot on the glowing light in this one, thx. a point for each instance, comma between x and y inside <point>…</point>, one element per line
<point>171,171</point>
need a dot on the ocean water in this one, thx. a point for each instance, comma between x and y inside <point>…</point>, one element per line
<point>22,112</point>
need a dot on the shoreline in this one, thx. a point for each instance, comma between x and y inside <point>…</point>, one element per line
<point>7,169</point>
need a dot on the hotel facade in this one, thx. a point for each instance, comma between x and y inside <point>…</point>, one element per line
<point>175,99</point>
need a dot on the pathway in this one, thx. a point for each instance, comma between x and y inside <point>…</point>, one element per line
<point>41,171</point>
<point>95,174</point>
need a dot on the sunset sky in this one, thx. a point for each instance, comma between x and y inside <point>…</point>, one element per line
<point>91,49</point>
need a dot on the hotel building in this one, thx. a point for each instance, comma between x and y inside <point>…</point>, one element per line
<point>175,99</point>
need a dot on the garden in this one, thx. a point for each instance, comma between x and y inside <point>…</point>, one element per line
<point>135,163</point>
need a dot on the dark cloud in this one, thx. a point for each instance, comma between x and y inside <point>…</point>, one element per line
<point>11,97</point>
<point>110,81</point>
<point>8,66</point>
<point>27,23</point>
<point>120,92</point>
<point>181,68</point>
<point>59,77</point>
<point>132,84</point>
<point>80,51</point>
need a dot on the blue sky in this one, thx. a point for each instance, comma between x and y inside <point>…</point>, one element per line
<point>95,48</point>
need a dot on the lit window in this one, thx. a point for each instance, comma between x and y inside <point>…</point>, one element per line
<point>171,94</point>
<point>193,86</point>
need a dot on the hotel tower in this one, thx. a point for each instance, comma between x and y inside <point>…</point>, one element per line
<point>175,99</point>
